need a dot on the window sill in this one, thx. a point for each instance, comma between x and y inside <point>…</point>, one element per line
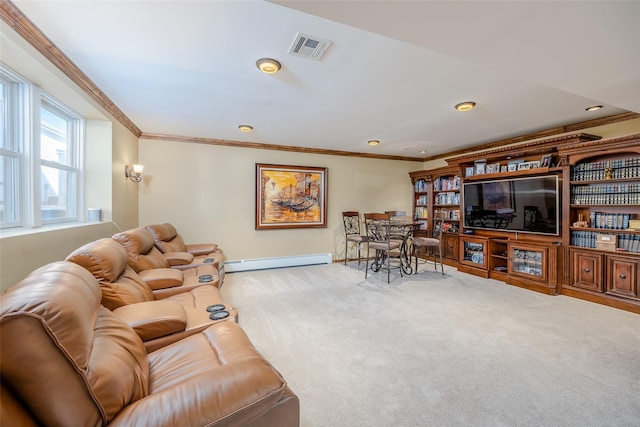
<point>19,231</point>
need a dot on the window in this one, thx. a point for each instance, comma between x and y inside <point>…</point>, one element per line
<point>50,146</point>
<point>58,163</point>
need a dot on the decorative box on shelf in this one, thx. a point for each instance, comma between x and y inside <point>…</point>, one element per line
<point>606,242</point>
<point>634,224</point>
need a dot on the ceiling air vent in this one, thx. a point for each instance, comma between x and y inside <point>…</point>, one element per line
<point>308,46</point>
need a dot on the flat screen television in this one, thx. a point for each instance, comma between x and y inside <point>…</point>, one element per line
<point>527,205</point>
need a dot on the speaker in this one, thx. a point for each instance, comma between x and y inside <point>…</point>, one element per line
<point>94,215</point>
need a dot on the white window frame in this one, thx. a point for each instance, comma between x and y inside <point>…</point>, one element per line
<point>25,129</point>
<point>15,130</point>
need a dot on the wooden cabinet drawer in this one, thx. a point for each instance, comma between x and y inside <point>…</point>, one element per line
<point>450,246</point>
<point>587,270</point>
<point>622,276</point>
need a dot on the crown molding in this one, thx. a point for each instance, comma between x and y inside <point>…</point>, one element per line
<point>261,146</point>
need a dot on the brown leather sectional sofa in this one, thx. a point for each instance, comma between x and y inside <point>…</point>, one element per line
<point>158,316</point>
<point>88,342</point>
<point>145,258</point>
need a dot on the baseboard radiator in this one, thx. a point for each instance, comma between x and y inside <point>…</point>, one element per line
<point>279,262</point>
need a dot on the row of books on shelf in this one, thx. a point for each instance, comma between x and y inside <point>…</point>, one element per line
<point>421,186</point>
<point>605,189</point>
<point>627,194</point>
<point>611,221</point>
<point>588,239</point>
<point>421,212</point>
<point>422,200</point>
<point>610,169</point>
<point>447,199</point>
<point>450,214</point>
<point>446,183</point>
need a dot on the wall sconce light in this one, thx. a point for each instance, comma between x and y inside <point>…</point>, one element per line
<point>134,172</point>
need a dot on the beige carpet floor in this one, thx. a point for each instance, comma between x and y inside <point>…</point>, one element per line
<point>433,350</point>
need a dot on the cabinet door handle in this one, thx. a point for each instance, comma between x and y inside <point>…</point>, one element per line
<point>623,276</point>
<point>586,270</point>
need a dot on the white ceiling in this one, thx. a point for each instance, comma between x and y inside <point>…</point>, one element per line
<point>394,72</point>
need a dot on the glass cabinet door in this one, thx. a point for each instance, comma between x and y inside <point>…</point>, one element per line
<point>474,252</point>
<point>528,261</point>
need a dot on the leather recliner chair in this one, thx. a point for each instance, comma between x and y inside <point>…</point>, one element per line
<point>149,262</point>
<point>158,321</point>
<point>68,361</point>
<point>167,240</point>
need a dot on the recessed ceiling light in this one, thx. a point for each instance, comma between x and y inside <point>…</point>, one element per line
<point>593,108</point>
<point>373,142</point>
<point>268,65</point>
<point>245,128</point>
<point>465,106</point>
<point>423,151</point>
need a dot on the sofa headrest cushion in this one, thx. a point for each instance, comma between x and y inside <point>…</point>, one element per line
<point>166,238</point>
<point>163,232</point>
<point>137,240</point>
<point>142,253</point>
<point>69,360</point>
<point>65,297</point>
<point>105,258</point>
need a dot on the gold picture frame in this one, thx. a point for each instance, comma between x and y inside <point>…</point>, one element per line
<point>290,197</point>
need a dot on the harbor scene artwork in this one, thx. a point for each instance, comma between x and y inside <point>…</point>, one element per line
<point>290,196</point>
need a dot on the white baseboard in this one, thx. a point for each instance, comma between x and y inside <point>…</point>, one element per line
<point>279,262</point>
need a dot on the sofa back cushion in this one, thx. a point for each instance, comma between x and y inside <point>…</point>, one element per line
<point>67,359</point>
<point>140,247</point>
<point>107,260</point>
<point>166,238</point>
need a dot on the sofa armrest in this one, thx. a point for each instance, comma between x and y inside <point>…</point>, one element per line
<point>179,258</point>
<point>198,249</point>
<point>162,278</point>
<point>234,385</point>
<point>153,319</point>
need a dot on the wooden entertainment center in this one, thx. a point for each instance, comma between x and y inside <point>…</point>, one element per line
<point>594,254</point>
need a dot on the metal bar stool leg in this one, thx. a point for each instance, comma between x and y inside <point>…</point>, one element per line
<point>366,267</point>
<point>346,249</point>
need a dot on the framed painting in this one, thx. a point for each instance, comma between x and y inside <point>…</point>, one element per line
<point>546,161</point>
<point>290,196</point>
<point>524,166</point>
<point>469,171</point>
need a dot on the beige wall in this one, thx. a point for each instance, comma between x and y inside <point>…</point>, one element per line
<point>208,193</point>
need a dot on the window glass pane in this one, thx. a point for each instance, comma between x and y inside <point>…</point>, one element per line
<point>9,193</point>
<point>57,194</point>
<point>55,137</point>
<point>4,113</point>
